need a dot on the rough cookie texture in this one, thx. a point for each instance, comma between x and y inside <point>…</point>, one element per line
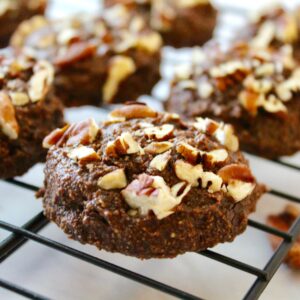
<point>283,222</point>
<point>13,12</point>
<point>182,23</point>
<point>275,27</point>
<point>255,90</point>
<point>28,111</point>
<point>147,184</point>
<point>96,58</point>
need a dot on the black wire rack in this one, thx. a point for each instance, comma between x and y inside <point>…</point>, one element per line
<point>20,235</point>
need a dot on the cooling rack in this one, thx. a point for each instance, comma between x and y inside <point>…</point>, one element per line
<point>31,231</point>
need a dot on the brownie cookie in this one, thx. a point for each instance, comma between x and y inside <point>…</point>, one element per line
<point>276,27</point>
<point>182,23</point>
<point>96,58</point>
<point>28,111</point>
<point>13,12</point>
<point>255,90</point>
<point>146,184</point>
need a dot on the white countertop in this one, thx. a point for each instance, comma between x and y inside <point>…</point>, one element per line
<point>59,276</point>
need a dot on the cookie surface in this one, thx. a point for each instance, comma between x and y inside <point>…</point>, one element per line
<point>274,27</point>
<point>181,23</point>
<point>256,90</point>
<point>147,184</point>
<point>28,111</point>
<point>96,58</point>
<point>13,12</point>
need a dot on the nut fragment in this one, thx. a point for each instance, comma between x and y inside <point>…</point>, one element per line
<point>120,68</point>
<point>283,222</point>
<point>124,144</point>
<point>19,98</point>
<point>236,172</point>
<point>211,181</point>
<point>83,154</point>
<point>8,121</point>
<point>189,173</point>
<point>76,52</point>
<point>113,180</point>
<point>191,154</point>
<point>160,161</point>
<point>158,147</point>
<point>239,190</point>
<point>216,156</point>
<point>225,135</point>
<point>151,193</point>
<point>206,125</point>
<point>134,111</point>
<point>54,137</point>
<point>83,133</point>
<point>41,81</point>
<point>160,133</point>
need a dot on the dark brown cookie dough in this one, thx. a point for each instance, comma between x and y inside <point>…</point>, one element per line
<point>146,184</point>
<point>28,111</point>
<point>182,23</point>
<point>274,27</point>
<point>255,90</point>
<point>13,12</point>
<point>96,59</point>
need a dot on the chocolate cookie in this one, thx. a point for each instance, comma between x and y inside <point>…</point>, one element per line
<point>96,58</point>
<point>146,184</point>
<point>275,27</point>
<point>28,111</point>
<point>13,12</point>
<point>182,23</point>
<point>256,90</point>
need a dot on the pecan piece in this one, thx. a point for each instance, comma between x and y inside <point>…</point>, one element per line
<point>76,52</point>
<point>113,180</point>
<point>54,137</point>
<point>134,111</point>
<point>8,121</point>
<point>283,222</point>
<point>236,172</point>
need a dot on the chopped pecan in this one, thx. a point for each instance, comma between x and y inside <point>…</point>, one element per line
<point>41,81</point>
<point>158,147</point>
<point>160,161</point>
<point>54,137</point>
<point>160,133</point>
<point>82,133</point>
<point>134,111</point>
<point>8,121</point>
<point>83,154</point>
<point>283,222</point>
<point>113,180</point>
<point>191,154</point>
<point>76,52</point>
<point>124,144</point>
<point>189,173</point>
<point>236,172</point>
